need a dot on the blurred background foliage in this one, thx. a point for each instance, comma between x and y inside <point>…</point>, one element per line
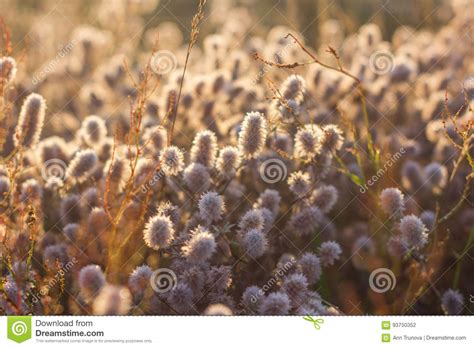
<point>305,16</point>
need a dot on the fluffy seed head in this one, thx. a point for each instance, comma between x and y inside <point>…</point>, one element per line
<point>308,142</point>
<point>53,148</point>
<point>172,160</point>
<point>117,172</point>
<point>428,217</point>
<point>195,276</point>
<point>91,280</point>
<point>329,252</point>
<point>112,300</point>
<point>159,232</point>
<point>219,277</point>
<point>204,148</point>
<point>269,199</point>
<point>253,134</point>
<point>310,265</point>
<point>413,232</point>
<point>53,184</point>
<point>294,87</point>
<point>90,198</point>
<point>300,183</point>
<point>82,165</point>
<point>306,221</point>
<point>254,243</point>
<point>7,69</point>
<point>97,221</point>
<point>392,201</point>
<point>332,138</point>
<point>201,246</point>
<point>253,219</point>
<point>30,124</point>
<point>169,210</point>
<point>325,197</point>
<point>288,109</point>
<point>31,191</point>
<point>268,219</point>
<point>196,177</point>
<point>157,136</point>
<point>93,130</point>
<point>145,169</point>
<point>296,287</point>
<point>70,209</point>
<point>228,161</point>
<point>181,298</point>
<point>283,142</point>
<point>71,231</point>
<point>252,298</point>
<point>211,206</point>
<point>452,302</point>
<point>412,175</point>
<point>396,247</point>
<point>436,175</point>
<point>54,254</point>
<point>276,303</point>
<point>139,280</point>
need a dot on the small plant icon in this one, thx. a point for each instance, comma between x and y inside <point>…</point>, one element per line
<point>316,322</point>
<point>19,328</point>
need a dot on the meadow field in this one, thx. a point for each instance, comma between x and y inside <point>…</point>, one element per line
<point>193,157</point>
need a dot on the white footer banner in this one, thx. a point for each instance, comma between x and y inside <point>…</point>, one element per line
<point>237,331</point>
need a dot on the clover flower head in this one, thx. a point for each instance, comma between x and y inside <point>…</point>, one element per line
<point>253,134</point>
<point>392,201</point>
<point>310,265</point>
<point>204,148</point>
<point>211,206</point>
<point>329,252</point>
<point>452,302</point>
<point>300,183</point>
<point>413,232</point>
<point>172,160</point>
<point>254,243</point>
<point>201,246</point>
<point>308,142</point>
<point>112,300</point>
<point>30,123</point>
<point>276,303</point>
<point>91,280</point>
<point>159,232</point>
